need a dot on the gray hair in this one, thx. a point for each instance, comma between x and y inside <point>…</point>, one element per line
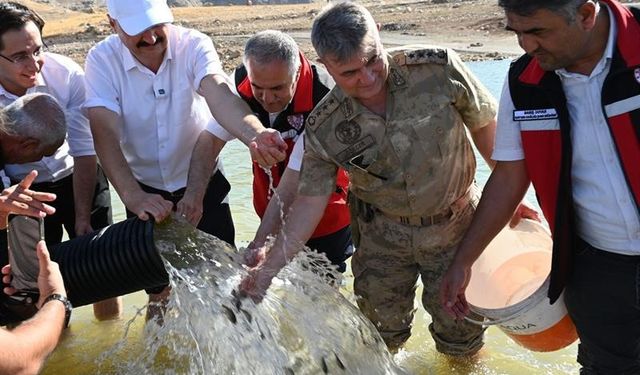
<point>342,29</point>
<point>272,45</point>
<point>37,116</point>
<point>566,8</point>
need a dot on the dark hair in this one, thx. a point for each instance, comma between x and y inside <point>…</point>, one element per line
<point>566,8</point>
<point>14,16</point>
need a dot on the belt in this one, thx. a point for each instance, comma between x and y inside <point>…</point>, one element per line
<point>428,220</point>
<point>419,221</point>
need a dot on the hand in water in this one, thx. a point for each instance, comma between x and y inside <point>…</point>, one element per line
<point>524,211</point>
<point>254,254</point>
<point>268,148</point>
<point>190,208</point>
<point>452,288</point>
<point>256,283</point>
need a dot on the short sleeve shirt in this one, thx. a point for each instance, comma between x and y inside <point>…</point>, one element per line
<point>63,79</point>
<point>162,113</point>
<point>418,160</point>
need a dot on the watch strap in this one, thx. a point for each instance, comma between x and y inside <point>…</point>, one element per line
<point>67,306</point>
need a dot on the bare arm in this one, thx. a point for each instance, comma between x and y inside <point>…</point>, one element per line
<point>84,182</point>
<point>25,348</point>
<point>306,212</point>
<point>484,139</point>
<point>505,189</point>
<point>266,145</point>
<point>278,207</point>
<point>203,161</point>
<point>104,127</point>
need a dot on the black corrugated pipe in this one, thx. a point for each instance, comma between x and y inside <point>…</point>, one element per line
<point>117,260</point>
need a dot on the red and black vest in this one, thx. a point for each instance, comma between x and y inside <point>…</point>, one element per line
<point>541,108</point>
<point>313,85</point>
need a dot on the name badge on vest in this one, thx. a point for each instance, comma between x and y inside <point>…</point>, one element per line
<point>535,114</point>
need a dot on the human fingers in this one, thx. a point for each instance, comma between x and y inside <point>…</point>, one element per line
<point>28,180</point>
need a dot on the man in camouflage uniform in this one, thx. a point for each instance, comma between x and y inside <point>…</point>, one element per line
<point>396,122</point>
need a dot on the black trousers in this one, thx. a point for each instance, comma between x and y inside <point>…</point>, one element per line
<point>337,246</point>
<point>603,299</point>
<point>216,217</point>
<point>65,216</point>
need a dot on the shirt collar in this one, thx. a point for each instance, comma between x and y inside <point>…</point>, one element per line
<point>605,61</point>
<point>130,62</point>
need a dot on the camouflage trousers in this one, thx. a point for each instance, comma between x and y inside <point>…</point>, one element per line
<point>386,267</point>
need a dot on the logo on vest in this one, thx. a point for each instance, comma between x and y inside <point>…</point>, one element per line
<point>636,74</point>
<point>535,114</point>
<point>348,132</point>
<point>296,121</point>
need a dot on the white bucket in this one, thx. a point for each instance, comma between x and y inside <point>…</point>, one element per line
<point>509,284</point>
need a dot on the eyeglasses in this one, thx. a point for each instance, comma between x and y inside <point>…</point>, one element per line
<point>25,58</point>
<point>356,160</point>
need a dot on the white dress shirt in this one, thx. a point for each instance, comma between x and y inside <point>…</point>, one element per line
<point>162,113</point>
<point>62,78</point>
<point>606,214</point>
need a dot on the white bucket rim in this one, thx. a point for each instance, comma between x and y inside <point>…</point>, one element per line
<point>504,314</point>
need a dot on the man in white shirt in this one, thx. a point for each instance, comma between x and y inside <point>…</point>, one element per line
<point>151,90</point>
<point>83,202</point>
<point>569,122</point>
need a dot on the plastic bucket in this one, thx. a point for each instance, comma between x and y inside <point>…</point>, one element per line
<point>509,284</point>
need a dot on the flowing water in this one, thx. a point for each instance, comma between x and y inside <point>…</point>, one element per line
<point>303,326</point>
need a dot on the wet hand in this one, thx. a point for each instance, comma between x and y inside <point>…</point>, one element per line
<point>20,200</point>
<point>254,254</point>
<point>144,204</point>
<point>190,208</point>
<point>524,211</point>
<point>256,283</point>
<point>49,277</point>
<point>268,148</point>
<point>452,289</point>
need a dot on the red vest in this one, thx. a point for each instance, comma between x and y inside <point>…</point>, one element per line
<point>312,86</point>
<point>547,145</point>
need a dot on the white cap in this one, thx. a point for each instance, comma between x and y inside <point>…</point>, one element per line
<point>135,16</point>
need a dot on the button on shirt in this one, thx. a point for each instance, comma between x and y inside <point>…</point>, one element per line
<point>62,78</point>
<point>606,214</point>
<point>162,113</point>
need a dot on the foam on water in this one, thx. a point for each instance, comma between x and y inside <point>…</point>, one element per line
<point>303,325</point>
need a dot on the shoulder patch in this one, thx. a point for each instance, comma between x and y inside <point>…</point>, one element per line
<point>323,110</point>
<point>422,56</point>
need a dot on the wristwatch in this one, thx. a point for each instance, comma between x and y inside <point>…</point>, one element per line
<point>65,302</point>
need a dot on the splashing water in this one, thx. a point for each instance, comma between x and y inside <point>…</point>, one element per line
<point>303,325</point>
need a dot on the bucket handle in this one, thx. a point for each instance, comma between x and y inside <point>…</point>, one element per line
<point>492,322</point>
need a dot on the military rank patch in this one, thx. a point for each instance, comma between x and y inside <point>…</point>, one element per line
<point>422,56</point>
<point>325,108</point>
<point>348,132</point>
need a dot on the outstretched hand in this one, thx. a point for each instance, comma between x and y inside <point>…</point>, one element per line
<point>20,200</point>
<point>268,148</point>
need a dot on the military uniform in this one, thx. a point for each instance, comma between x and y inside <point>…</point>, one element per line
<point>411,185</point>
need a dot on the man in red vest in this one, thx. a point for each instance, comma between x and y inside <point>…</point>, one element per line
<point>569,122</point>
<point>281,87</point>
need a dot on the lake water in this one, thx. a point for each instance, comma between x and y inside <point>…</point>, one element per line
<point>87,339</point>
